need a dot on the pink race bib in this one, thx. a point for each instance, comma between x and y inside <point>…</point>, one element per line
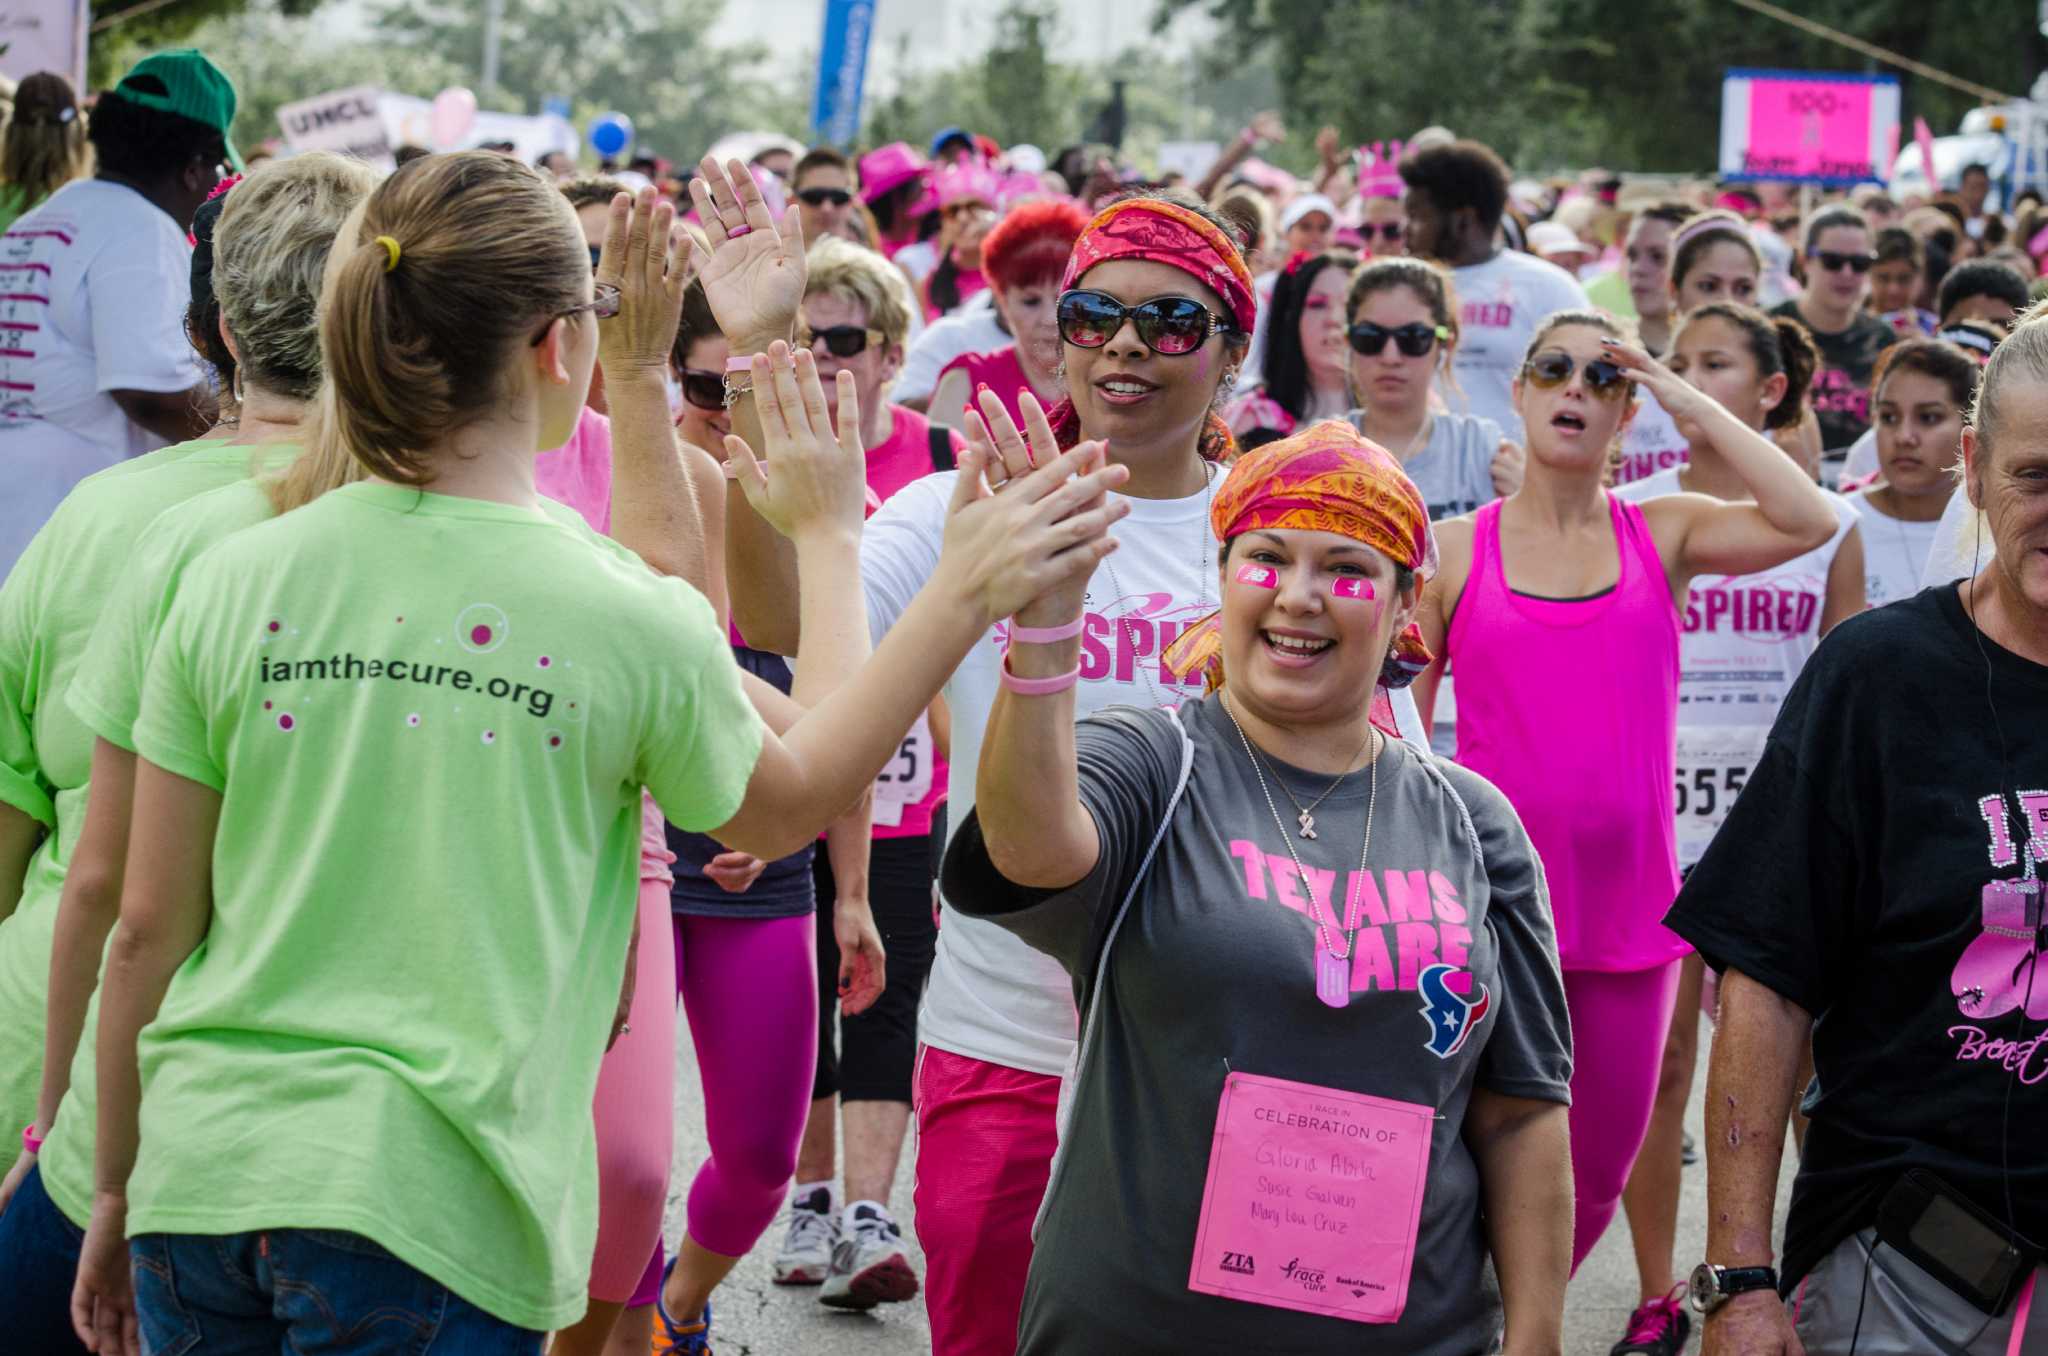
<point>1314,1199</point>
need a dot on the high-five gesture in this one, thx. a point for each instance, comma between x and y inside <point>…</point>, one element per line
<point>648,261</point>
<point>754,278</point>
<point>805,478</point>
<point>1040,538</point>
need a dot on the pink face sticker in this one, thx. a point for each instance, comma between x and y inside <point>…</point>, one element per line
<point>1258,576</point>
<point>1352,586</point>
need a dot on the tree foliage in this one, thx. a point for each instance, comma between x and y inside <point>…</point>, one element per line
<point>1573,82</point>
<point>113,50</point>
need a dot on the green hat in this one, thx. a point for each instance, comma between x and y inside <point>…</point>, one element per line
<point>194,88</point>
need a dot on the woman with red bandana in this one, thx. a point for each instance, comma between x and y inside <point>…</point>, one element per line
<point>1023,256</point>
<point>1155,307</point>
<point>1232,1176</point>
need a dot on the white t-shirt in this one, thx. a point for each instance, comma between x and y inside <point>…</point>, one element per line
<point>1742,641</point>
<point>1501,302</point>
<point>93,289</point>
<point>918,259</point>
<point>974,328</point>
<point>1651,444</point>
<point>1962,544</point>
<point>1894,552</point>
<point>989,996</point>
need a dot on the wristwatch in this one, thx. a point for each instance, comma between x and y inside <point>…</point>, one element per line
<point>1714,1286</point>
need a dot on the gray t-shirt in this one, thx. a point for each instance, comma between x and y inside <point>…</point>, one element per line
<point>1454,470</point>
<point>1212,972</point>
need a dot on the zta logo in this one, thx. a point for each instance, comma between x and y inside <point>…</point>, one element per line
<point>1239,1262</point>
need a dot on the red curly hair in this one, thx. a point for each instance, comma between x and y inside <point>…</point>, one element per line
<point>1030,245</point>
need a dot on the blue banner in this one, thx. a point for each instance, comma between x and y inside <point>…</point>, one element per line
<point>842,67</point>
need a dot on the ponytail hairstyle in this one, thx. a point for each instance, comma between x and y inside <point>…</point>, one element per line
<point>1776,344</point>
<point>457,262</point>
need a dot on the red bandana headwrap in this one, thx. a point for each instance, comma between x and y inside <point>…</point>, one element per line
<point>1165,233</point>
<point>1326,479</point>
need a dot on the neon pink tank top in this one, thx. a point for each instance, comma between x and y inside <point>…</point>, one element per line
<point>1571,709</point>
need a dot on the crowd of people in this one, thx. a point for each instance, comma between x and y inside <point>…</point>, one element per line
<point>943,621</point>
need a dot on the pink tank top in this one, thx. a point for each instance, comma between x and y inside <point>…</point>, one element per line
<point>1571,709</point>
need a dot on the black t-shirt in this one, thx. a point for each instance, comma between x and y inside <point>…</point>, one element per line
<point>1841,388</point>
<point>1867,873</point>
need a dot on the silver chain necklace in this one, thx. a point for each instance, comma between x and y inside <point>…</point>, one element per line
<point>1122,623</point>
<point>1333,969</point>
<point>1306,815</point>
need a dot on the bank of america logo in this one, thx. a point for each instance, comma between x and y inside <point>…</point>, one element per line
<point>1239,1262</point>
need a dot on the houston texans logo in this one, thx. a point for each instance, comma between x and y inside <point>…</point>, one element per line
<point>1450,1014</point>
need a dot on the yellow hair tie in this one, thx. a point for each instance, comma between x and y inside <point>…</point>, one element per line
<point>390,251</point>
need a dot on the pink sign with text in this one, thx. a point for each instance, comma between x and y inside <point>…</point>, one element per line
<point>1314,1199</point>
<point>1809,126</point>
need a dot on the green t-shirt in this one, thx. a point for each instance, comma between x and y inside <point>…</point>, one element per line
<point>429,719</point>
<point>48,606</point>
<point>105,695</point>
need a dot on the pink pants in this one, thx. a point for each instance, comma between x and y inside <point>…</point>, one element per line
<point>635,1126</point>
<point>985,1139</point>
<point>750,990</point>
<point>1619,1023</point>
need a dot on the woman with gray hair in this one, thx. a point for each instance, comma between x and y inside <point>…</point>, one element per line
<point>269,252</point>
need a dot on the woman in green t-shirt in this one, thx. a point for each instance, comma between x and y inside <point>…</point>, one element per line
<point>44,146</point>
<point>390,751</point>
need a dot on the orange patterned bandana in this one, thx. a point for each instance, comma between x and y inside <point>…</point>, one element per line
<point>1327,478</point>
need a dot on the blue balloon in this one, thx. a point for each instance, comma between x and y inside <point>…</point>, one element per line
<point>611,133</point>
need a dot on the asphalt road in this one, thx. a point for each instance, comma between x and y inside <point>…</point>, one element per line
<point>755,1317</point>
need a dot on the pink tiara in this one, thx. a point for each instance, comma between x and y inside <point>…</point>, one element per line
<point>1379,170</point>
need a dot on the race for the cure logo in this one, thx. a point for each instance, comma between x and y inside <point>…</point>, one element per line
<point>1239,1262</point>
<point>1308,1278</point>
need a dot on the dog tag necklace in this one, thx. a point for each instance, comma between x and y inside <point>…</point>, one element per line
<point>1332,967</point>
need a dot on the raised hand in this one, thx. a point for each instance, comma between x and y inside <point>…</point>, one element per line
<point>1267,126</point>
<point>1035,545</point>
<point>1510,463</point>
<point>648,261</point>
<point>807,478</point>
<point>1679,397</point>
<point>1008,454</point>
<point>754,278</point>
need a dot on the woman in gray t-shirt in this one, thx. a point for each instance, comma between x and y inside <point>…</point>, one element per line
<point>1297,1108</point>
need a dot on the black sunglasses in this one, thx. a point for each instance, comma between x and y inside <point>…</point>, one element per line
<point>841,341</point>
<point>818,197</point>
<point>1413,340</point>
<point>1388,230</point>
<point>1548,371</point>
<point>603,305</point>
<point>705,390</point>
<point>1835,263</point>
<point>1166,325</point>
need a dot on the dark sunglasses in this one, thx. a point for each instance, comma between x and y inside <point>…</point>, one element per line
<point>818,197</point>
<point>1835,263</point>
<point>603,305</point>
<point>1548,371</point>
<point>841,341</point>
<point>1166,325</point>
<point>1413,340</point>
<point>705,390</point>
<point>1388,230</point>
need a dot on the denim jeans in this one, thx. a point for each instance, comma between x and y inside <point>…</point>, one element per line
<point>311,1291</point>
<point>38,1262</point>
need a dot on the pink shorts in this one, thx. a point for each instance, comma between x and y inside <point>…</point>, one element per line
<point>985,1139</point>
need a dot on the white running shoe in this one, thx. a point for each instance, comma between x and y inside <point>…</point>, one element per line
<point>806,1254</point>
<point>870,1266</point>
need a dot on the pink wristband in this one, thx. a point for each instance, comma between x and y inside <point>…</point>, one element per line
<point>1046,635</point>
<point>30,1140</point>
<point>1038,687</point>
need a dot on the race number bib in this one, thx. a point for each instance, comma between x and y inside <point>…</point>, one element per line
<point>1314,1199</point>
<point>1714,763</point>
<point>907,780</point>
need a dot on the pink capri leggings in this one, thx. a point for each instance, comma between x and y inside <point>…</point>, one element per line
<point>750,991</point>
<point>1619,1022</point>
